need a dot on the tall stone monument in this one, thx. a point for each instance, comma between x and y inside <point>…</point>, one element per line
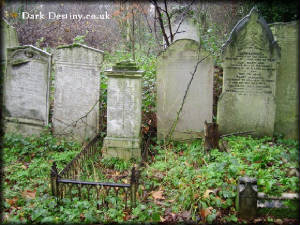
<point>250,63</point>
<point>124,111</point>
<point>77,91</point>
<point>26,90</point>
<point>174,71</point>
<point>287,85</point>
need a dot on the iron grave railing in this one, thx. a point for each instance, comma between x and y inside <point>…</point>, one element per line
<point>66,183</point>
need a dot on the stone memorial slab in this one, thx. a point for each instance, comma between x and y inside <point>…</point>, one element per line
<point>186,29</point>
<point>250,63</point>
<point>26,90</point>
<point>77,91</point>
<point>287,85</point>
<point>124,111</point>
<point>10,37</point>
<point>174,71</point>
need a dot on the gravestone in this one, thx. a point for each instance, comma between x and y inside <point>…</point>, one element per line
<point>26,90</point>
<point>186,29</point>
<point>250,62</point>
<point>10,38</point>
<point>124,111</point>
<point>174,71</point>
<point>287,85</point>
<point>77,91</point>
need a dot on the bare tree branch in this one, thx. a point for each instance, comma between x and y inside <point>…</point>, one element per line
<point>157,8</point>
<point>169,21</point>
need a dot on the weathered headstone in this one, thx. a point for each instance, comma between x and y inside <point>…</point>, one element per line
<point>185,29</point>
<point>287,85</point>
<point>174,71</point>
<point>250,62</point>
<point>26,90</point>
<point>77,90</point>
<point>124,111</point>
<point>10,37</point>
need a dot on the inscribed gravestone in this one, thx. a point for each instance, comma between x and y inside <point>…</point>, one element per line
<point>174,69</point>
<point>287,85</point>
<point>250,61</point>
<point>26,90</point>
<point>124,105</point>
<point>77,90</point>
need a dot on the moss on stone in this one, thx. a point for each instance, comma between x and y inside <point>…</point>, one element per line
<point>126,65</point>
<point>19,62</point>
<point>69,46</point>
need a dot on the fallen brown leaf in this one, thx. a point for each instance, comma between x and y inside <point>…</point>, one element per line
<point>82,216</point>
<point>29,194</point>
<point>24,167</point>
<point>205,212</point>
<point>187,164</point>
<point>258,220</point>
<point>278,221</point>
<point>157,195</point>
<point>162,219</point>
<point>12,201</point>
<point>207,192</point>
<point>126,216</point>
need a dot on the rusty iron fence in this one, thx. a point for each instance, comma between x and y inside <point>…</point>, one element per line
<point>66,183</point>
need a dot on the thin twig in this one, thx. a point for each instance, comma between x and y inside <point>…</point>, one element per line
<point>74,123</point>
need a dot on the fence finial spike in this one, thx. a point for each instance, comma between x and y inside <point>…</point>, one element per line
<point>54,169</point>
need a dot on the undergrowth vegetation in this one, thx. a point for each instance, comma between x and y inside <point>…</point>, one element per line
<point>181,183</point>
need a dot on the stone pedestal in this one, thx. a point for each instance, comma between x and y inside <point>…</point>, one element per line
<point>124,103</point>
